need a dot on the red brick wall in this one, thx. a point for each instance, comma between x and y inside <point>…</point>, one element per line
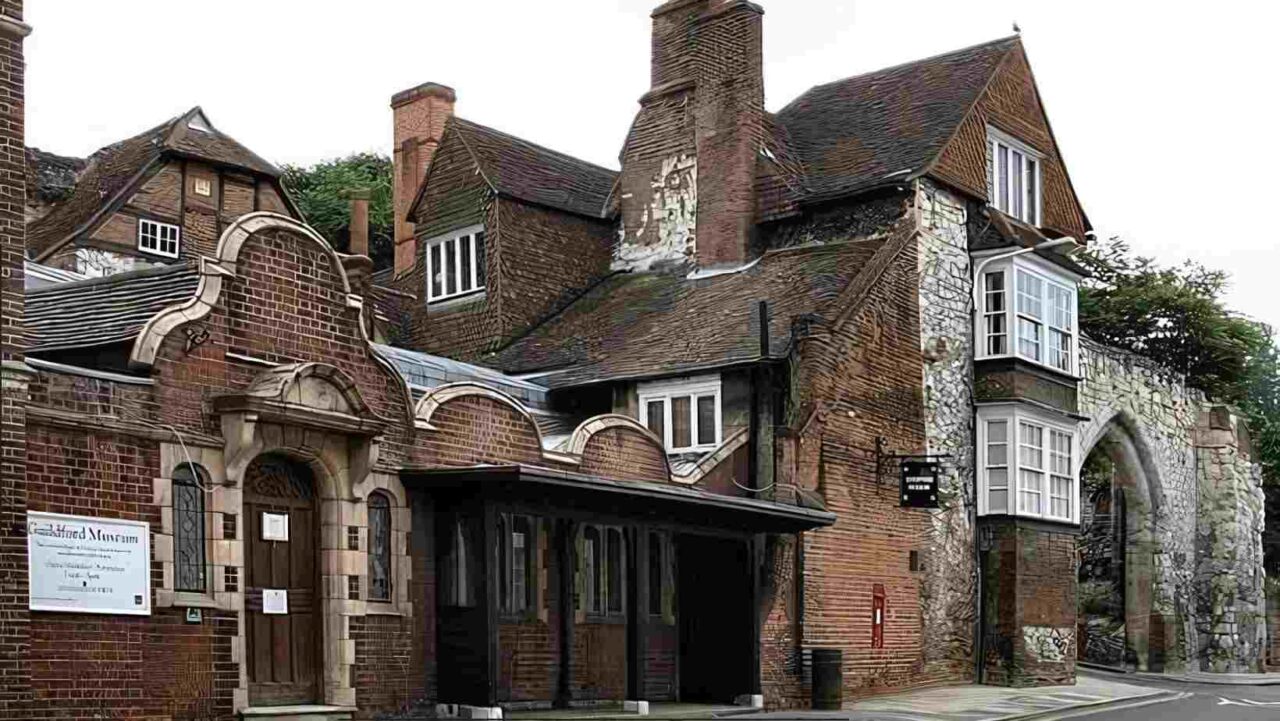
<point>599,666</point>
<point>388,670</point>
<point>14,619</point>
<point>624,454</point>
<point>1029,577</point>
<point>476,429</point>
<point>866,377</point>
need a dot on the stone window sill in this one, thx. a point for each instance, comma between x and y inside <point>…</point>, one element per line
<point>382,608</point>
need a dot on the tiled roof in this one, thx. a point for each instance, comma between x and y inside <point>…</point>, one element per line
<point>649,324</point>
<point>114,169</point>
<point>102,311</point>
<point>889,125</point>
<point>532,173</point>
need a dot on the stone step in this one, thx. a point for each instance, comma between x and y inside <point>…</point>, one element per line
<point>301,712</point>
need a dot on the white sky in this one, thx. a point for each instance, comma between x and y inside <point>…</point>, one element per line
<point>1165,112</point>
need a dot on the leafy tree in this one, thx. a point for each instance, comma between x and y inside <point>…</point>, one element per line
<point>320,191</point>
<point>1176,316</point>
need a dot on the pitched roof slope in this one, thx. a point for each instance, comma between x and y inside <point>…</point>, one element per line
<point>529,172</point>
<point>102,311</point>
<point>51,177</point>
<point>888,125</point>
<point>112,171</point>
<point>648,324</point>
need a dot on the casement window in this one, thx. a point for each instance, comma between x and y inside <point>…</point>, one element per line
<point>1028,311</point>
<point>1028,465</point>
<point>159,238</point>
<point>661,584</point>
<point>1013,177</point>
<point>455,264</point>
<point>517,566</point>
<point>189,484</point>
<point>379,507</point>
<point>601,568</point>
<point>684,413</point>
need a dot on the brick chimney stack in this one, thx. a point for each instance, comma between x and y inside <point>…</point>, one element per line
<point>418,117</point>
<point>358,226</point>
<point>689,162</point>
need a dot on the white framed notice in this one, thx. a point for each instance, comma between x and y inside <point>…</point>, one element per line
<point>81,564</point>
<point>275,526</point>
<point>275,601</point>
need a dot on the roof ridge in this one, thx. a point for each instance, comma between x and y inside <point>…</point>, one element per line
<point>533,145</point>
<point>899,66</point>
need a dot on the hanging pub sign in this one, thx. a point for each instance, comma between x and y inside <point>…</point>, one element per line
<point>80,564</point>
<point>918,487</point>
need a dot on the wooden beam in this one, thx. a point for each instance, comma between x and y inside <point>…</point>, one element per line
<point>564,542</point>
<point>489,542</point>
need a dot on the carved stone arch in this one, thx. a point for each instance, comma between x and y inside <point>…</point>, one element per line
<point>1137,500</point>
<point>318,386</point>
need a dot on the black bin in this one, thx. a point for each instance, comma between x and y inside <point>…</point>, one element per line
<point>828,679</point>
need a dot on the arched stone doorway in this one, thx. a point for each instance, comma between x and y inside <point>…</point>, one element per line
<point>1117,549</point>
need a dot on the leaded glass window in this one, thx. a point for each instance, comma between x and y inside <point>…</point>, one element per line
<point>379,548</point>
<point>188,528</point>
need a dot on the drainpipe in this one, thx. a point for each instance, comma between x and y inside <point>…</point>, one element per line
<point>976,298</point>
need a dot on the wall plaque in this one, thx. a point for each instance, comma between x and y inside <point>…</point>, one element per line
<point>275,526</point>
<point>80,564</point>
<point>275,601</point>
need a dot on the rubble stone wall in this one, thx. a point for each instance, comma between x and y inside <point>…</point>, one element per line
<point>1205,502</point>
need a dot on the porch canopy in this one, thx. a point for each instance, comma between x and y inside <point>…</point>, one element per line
<point>562,491</point>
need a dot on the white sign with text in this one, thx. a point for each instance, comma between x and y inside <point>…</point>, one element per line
<point>80,564</point>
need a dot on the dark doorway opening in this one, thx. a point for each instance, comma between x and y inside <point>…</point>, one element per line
<point>714,597</point>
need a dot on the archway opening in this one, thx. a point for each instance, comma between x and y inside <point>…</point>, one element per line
<point>1115,623</point>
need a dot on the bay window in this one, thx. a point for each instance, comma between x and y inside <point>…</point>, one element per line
<point>1041,313</point>
<point>684,413</point>
<point>1027,464</point>
<point>1013,177</point>
<point>455,264</point>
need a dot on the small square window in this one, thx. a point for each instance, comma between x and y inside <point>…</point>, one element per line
<point>455,264</point>
<point>202,186</point>
<point>158,238</point>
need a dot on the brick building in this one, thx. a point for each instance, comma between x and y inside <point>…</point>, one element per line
<point>598,436</point>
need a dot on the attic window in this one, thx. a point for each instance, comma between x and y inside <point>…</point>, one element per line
<point>158,238</point>
<point>455,264</point>
<point>1013,177</point>
<point>684,413</point>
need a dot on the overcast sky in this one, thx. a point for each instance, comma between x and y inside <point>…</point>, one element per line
<point>1166,117</point>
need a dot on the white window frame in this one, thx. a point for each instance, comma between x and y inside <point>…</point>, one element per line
<point>1051,278</point>
<point>457,239</point>
<point>151,237</point>
<point>1032,169</point>
<point>1016,417</point>
<point>695,387</point>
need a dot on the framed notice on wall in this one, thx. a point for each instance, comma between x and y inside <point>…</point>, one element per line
<point>80,564</point>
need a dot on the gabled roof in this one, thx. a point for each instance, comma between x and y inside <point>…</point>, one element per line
<point>520,169</point>
<point>636,325</point>
<point>113,172</point>
<point>889,125</point>
<point>103,311</point>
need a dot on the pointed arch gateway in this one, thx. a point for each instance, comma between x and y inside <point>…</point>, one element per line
<point>1120,499</point>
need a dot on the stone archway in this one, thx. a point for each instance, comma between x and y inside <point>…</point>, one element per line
<point>1117,625</point>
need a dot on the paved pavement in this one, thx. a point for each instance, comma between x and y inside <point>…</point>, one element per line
<point>986,703</point>
<point>1212,701</point>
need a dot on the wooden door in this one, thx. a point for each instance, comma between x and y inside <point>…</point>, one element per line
<point>283,649</point>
